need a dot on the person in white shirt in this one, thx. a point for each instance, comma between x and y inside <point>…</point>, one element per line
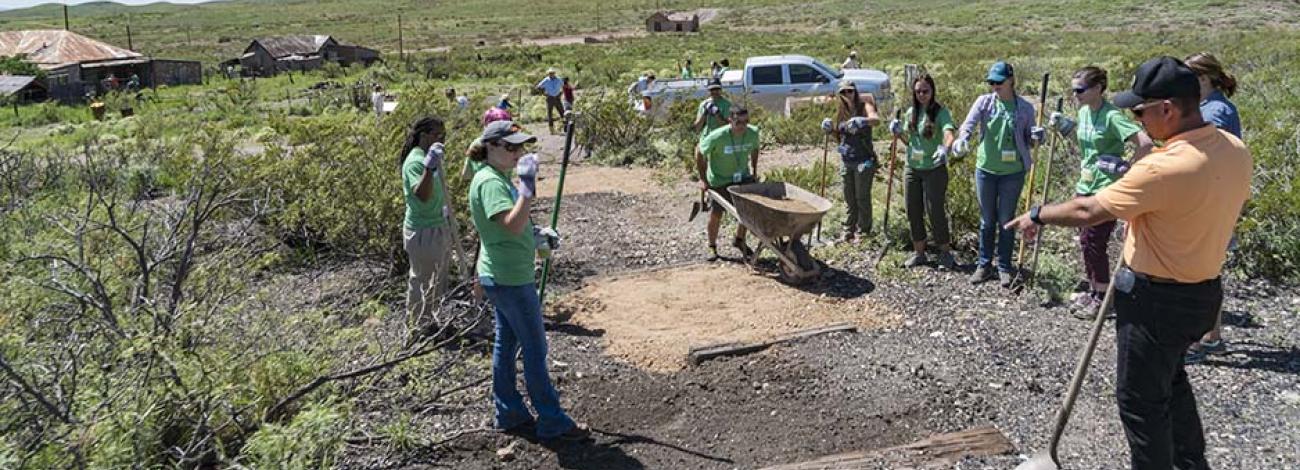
<point>851,62</point>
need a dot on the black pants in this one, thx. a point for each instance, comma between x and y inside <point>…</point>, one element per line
<point>1155,325</point>
<point>553,103</point>
<point>927,195</point>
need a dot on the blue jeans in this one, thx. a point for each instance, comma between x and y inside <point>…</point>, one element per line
<point>519,325</point>
<point>998,196</point>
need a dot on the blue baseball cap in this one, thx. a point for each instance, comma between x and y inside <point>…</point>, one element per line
<point>1000,71</point>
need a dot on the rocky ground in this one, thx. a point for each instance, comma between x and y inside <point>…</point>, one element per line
<point>954,357</point>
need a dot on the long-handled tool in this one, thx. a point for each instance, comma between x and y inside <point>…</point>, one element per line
<point>1046,460</point>
<point>569,124</point>
<point>462,261</point>
<point>889,192</point>
<point>1047,188</point>
<point>1029,193</point>
<point>821,190</point>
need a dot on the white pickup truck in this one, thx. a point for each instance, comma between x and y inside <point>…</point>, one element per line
<point>768,81</point>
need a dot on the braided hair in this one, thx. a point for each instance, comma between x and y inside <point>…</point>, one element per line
<point>421,126</point>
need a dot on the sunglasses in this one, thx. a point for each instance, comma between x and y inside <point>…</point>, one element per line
<point>1081,90</point>
<point>1139,109</point>
<point>995,82</point>
<point>921,91</point>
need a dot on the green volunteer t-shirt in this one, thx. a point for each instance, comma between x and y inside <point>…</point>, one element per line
<point>1100,133</point>
<point>920,150</point>
<point>420,214</point>
<point>713,122</point>
<point>728,154</point>
<point>506,257</point>
<point>998,147</point>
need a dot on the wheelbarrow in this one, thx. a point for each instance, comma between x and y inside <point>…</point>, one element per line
<point>778,214</point>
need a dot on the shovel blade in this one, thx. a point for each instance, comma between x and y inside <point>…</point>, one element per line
<point>695,210</point>
<point>1040,461</point>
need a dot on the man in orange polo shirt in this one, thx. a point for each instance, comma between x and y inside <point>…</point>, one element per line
<point>1181,203</point>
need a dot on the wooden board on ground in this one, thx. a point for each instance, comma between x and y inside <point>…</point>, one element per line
<point>703,353</point>
<point>938,451</point>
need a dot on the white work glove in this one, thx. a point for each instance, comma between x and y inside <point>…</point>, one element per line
<point>940,156</point>
<point>546,240</point>
<point>960,147</point>
<point>446,212</point>
<point>526,169</point>
<point>1036,134</point>
<point>896,127</point>
<point>854,125</point>
<point>1062,124</point>
<point>827,125</point>
<point>433,158</point>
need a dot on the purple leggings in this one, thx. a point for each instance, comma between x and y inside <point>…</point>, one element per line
<point>1094,241</point>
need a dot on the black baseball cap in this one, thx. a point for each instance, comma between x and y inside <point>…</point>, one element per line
<point>1160,78</point>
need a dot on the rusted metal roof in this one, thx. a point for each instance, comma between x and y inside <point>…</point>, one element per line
<point>10,84</point>
<point>49,48</point>
<point>673,16</point>
<point>284,46</point>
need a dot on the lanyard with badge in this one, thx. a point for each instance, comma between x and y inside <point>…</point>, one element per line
<point>1008,129</point>
<point>917,153</point>
<point>737,155</point>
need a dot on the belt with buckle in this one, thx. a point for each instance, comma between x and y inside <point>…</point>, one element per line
<point>1165,280</point>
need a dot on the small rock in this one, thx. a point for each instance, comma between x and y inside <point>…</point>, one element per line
<point>1290,398</point>
<point>936,334</point>
<point>507,453</point>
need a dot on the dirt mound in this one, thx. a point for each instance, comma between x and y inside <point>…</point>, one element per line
<point>652,319</point>
<point>583,179</point>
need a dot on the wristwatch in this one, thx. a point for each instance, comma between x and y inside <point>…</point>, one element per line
<point>1033,214</point>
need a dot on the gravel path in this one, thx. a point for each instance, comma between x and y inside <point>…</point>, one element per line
<point>962,356</point>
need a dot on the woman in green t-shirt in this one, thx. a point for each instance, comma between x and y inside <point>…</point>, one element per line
<point>929,131</point>
<point>1101,131</point>
<point>499,209</point>
<point>425,235</point>
<point>1006,127</point>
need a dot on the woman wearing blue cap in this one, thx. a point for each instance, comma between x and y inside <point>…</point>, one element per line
<point>1007,130</point>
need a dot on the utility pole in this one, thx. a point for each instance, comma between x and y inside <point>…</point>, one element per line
<point>130,46</point>
<point>401,51</point>
<point>65,18</point>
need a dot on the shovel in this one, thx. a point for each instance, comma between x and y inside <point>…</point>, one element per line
<point>1046,460</point>
<point>698,206</point>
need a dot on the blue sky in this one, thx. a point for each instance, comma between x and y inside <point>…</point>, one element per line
<point>10,4</point>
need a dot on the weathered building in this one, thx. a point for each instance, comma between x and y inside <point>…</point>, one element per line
<point>268,56</point>
<point>679,22</point>
<point>24,87</point>
<point>76,65</point>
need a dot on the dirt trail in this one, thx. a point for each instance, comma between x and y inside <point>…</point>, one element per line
<point>652,319</point>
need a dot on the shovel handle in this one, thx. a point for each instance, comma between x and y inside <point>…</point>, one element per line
<point>1081,370</point>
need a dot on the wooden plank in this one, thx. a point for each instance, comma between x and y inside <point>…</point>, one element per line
<point>938,451</point>
<point>700,354</point>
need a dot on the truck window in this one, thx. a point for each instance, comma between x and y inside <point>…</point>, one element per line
<point>766,75</point>
<point>800,73</point>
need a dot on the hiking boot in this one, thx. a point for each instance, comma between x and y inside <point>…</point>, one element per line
<point>713,253</point>
<point>1004,279</point>
<point>947,261</point>
<point>982,273</point>
<point>745,251</point>
<point>849,236</point>
<point>1202,349</point>
<point>917,259</point>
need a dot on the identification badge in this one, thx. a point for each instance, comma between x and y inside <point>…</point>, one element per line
<point>1124,280</point>
<point>487,281</point>
<point>737,177</point>
<point>917,154</point>
<point>1009,156</point>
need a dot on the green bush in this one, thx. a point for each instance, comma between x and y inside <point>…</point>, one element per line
<point>310,441</point>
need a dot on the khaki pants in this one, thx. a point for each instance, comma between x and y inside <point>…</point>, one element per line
<point>428,250</point>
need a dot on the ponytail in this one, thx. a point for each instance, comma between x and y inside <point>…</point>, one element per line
<point>421,126</point>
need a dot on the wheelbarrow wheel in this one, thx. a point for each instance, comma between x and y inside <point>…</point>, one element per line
<point>808,267</point>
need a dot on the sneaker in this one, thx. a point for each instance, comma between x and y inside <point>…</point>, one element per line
<point>1084,306</point>
<point>713,253</point>
<point>1199,350</point>
<point>915,260</point>
<point>578,432</point>
<point>849,237</point>
<point>1004,279</point>
<point>947,261</point>
<point>981,274</point>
